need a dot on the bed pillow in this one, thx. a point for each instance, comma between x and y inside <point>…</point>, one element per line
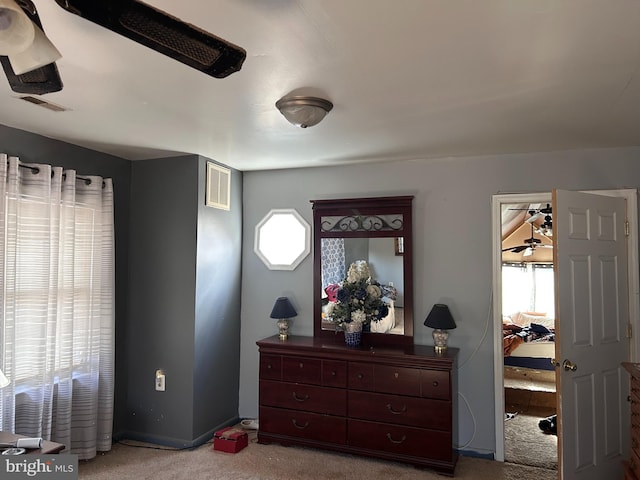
<point>524,320</point>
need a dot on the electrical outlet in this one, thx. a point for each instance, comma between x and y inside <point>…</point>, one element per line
<point>160,381</point>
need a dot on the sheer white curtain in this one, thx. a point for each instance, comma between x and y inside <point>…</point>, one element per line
<point>57,305</point>
<point>528,287</point>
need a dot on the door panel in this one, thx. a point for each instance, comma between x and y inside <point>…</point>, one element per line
<point>591,295</point>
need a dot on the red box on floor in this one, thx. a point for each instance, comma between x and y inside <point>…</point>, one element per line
<point>230,440</point>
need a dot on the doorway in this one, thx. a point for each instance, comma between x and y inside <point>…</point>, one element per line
<point>498,202</point>
<point>528,325</point>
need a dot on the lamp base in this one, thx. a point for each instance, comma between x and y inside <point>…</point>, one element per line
<point>283,328</point>
<point>440,340</point>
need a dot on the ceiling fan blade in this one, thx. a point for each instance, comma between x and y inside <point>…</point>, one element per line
<point>517,249</point>
<point>163,33</point>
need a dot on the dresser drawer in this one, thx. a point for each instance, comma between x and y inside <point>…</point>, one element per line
<point>360,376</point>
<point>635,413</point>
<point>435,384</point>
<point>401,440</point>
<point>296,396</point>
<point>334,373</point>
<point>384,378</point>
<point>271,367</point>
<point>302,370</point>
<point>398,380</point>
<point>634,463</point>
<point>417,412</point>
<point>325,428</point>
<point>628,474</point>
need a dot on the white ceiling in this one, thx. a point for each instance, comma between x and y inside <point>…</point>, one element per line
<point>409,79</point>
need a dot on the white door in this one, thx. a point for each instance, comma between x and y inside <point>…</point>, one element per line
<point>590,256</point>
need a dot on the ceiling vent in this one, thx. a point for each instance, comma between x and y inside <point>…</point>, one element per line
<point>44,104</point>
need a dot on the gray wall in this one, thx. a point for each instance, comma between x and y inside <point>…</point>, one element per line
<point>37,149</point>
<point>452,251</point>
<point>217,323</point>
<point>177,289</point>
<point>184,304</point>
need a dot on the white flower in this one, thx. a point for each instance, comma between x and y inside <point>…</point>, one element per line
<point>358,271</point>
<point>374,291</point>
<point>358,316</point>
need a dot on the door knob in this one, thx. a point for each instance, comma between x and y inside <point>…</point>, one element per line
<point>569,366</point>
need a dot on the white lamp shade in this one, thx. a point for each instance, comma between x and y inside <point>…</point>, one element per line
<point>16,29</point>
<point>4,381</point>
<point>40,53</point>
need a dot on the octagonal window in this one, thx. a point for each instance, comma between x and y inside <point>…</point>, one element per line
<point>282,239</point>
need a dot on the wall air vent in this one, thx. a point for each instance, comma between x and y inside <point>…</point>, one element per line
<point>43,103</point>
<point>218,194</point>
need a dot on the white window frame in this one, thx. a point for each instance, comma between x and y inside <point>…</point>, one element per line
<point>296,241</point>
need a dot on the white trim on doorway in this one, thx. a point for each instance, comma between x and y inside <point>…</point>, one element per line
<point>498,200</point>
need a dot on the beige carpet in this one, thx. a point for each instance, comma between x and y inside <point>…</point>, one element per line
<point>526,444</point>
<point>274,462</point>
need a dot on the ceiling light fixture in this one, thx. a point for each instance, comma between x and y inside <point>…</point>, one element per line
<point>26,54</point>
<point>303,111</point>
<point>21,40</point>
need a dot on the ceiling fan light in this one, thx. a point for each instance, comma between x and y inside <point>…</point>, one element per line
<point>303,111</point>
<point>16,29</point>
<point>528,252</point>
<point>40,53</point>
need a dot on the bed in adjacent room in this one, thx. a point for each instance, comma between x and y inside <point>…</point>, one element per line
<point>528,340</point>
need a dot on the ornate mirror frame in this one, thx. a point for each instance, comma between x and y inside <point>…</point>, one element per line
<point>377,217</point>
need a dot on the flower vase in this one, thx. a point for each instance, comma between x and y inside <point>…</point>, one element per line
<point>352,334</point>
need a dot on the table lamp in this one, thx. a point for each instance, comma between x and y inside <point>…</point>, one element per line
<point>283,311</point>
<point>440,320</point>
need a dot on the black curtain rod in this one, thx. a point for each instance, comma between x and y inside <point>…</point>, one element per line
<point>36,170</point>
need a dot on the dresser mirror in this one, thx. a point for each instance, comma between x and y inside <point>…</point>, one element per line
<point>374,232</point>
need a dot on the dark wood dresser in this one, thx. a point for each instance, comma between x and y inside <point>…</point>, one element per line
<point>632,466</point>
<point>392,403</point>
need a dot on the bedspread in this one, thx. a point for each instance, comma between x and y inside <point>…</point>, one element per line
<point>514,335</point>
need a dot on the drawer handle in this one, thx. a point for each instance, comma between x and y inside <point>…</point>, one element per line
<point>435,383</point>
<point>301,427</point>
<point>333,373</point>
<point>396,412</point>
<point>301,365</point>
<point>404,437</point>
<point>300,399</point>
<point>269,367</point>
<point>360,376</point>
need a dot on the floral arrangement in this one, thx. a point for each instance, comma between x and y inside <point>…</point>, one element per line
<point>356,299</point>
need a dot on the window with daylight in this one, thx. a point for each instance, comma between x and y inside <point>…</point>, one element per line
<point>528,287</point>
<point>57,303</point>
<point>282,239</point>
